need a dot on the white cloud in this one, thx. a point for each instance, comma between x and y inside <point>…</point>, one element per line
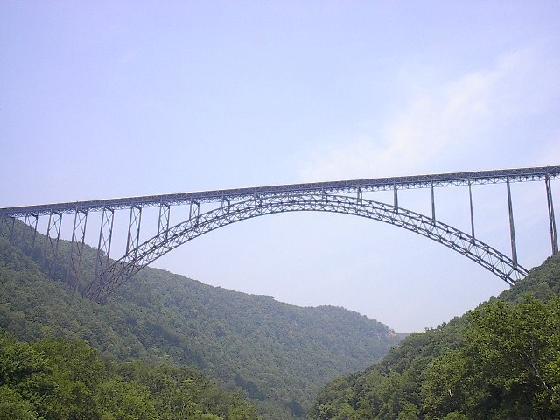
<point>452,126</point>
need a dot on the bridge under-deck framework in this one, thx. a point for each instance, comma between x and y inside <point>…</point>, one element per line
<point>233,205</point>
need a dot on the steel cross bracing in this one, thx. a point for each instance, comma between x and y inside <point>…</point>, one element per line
<point>230,206</point>
<point>31,220</point>
<point>102,260</point>
<point>77,247</point>
<point>51,250</point>
<point>335,187</point>
<point>478,251</point>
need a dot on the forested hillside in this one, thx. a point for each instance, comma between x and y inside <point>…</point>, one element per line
<point>61,379</point>
<point>278,354</point>
<point>499,361</point>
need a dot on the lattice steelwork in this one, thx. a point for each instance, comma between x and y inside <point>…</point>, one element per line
<point>164,218</point>
<point>31,220</point>
<point>230,206</point>
<point>51,250</point>
<point>334,187</point>
<point>102,260</point>
<point>76,248</point>
<point>134,228</point>
<point>194,211</point>
<point>453,238</point>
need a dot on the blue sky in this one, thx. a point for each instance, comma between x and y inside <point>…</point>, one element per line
<point>111,99</point>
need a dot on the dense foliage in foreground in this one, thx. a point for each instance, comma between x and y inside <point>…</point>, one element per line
<point>59,379</point>
<point>280,355</point>
<point>500,361</point>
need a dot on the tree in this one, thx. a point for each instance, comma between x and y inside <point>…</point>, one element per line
<point>14,406</point>
<point>508,366</point>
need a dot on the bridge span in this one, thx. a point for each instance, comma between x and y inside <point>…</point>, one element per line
<point>233,205</point>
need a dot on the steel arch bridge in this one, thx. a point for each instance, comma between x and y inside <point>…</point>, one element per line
<point>231,206</point>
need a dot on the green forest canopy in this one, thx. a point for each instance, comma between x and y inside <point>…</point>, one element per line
<point>280,355</point>
<point>500,361</point>
<point>61,379</point>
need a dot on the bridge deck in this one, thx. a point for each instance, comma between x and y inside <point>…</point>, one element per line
<point>355,185</point>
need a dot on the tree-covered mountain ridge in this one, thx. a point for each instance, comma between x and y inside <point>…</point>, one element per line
<point>67,379</point>
<point>279,354</point>
<point>499,361</point>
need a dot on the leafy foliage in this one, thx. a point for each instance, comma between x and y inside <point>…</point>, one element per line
<point>499,361</point>
<point>280,355</point>
<point>59,379</point>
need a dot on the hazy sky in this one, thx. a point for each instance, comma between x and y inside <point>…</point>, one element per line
<point>111,99</point>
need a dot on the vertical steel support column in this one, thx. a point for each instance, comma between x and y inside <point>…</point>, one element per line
<point>323,196</point>
<point>76,248</point>
<point>193,212</point>
<point>134,221</point>
<point>395,199</point>
<point>104,246</point>
<point>163,220</point>
<point>36,216</point>
<point>258,201</point>
<point>472,209</point>
<point>227,204</point>
<point>31,220</point>
<point>433,203</point>
<point>359,196</point>
<point>49,225</point>
<point>51,249</point>
<point>511,226</point>
<point>551,217</point>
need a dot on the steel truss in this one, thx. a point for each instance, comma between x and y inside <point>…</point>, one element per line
<point>488,257</point>
<point>164,218</point>
<point>134,228</point>
<point>76,248</point>
<point>31,220</point>
<point>25,236</point>
<point>355,186</point>
<point>51,250</point>
<point>102,260</point>
<point>233,205</point>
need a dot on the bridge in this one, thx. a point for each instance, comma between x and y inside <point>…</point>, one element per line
<point>224,207</point>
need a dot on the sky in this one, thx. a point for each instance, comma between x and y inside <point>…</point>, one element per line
<point>112,99</point>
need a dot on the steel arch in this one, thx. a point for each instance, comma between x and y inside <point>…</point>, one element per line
<point>136,259</point>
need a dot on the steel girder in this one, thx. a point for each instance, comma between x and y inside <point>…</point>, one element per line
<point>333,187</point>
<point>488,257</point>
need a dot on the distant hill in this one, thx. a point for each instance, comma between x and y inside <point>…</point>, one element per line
<point>278,354</point>
<point>500,361</point>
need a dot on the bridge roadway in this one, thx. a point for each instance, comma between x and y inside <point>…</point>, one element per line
<point>346,186</point>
